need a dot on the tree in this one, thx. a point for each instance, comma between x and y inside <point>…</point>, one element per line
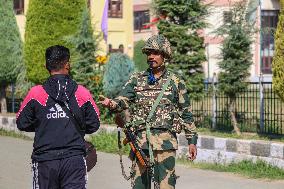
<point>117,72</point>
<point>181,22</point>
<point>236,57</point>
<point>86,70</point>
<point>139,58</point>
<point>87,67</point>
<point>48,22</point>
<point>23,85</point>
<point>10,49</point>
<point>278,59</point>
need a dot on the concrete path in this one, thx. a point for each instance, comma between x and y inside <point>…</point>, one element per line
<point>15,172</point>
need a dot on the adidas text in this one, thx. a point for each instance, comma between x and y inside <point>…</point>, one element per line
<point>56,115</point>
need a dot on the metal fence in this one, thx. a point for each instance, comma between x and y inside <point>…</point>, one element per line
<point>258,109</point>
<point>13,105</point>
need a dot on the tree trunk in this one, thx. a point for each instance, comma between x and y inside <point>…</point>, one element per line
<point>233,117</point>
<point>3,108</point>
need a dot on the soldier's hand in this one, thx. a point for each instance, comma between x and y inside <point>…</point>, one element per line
<point>192,152</point>
<point>104,101</point>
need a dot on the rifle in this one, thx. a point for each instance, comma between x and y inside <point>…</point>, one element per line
<point>130,139</point>
<point>135,149</point>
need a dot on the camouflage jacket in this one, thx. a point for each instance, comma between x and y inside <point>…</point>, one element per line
<point>172,115</point>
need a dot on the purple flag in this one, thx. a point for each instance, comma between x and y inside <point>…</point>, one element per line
<point>105,20</point>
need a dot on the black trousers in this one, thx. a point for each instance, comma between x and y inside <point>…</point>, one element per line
<point>67,173</point>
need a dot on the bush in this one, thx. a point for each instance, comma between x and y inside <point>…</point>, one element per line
<point>48,22</point>
<point>107,142</point>
<point>139,58</point>
<point>10,50</point>
<point>117,72</point>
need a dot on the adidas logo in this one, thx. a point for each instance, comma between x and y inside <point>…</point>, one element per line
<point>56,112</point>
<point>52,109</point>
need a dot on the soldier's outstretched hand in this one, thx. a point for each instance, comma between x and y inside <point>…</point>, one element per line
<point>192,152</point>
<point>106,102</point>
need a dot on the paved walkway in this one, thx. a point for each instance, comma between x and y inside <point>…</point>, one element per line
<point>15,172</point>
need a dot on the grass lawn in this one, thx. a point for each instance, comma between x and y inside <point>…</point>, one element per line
<point>248,136</point>
<point>107,142</point>
<point>13,134</point>
<point>246,168</point>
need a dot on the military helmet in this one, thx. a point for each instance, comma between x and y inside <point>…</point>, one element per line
<point>160,43</point>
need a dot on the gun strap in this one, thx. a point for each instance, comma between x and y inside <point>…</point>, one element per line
<point>153,109</point>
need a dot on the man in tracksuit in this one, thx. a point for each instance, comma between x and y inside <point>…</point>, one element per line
<point>58,149</point>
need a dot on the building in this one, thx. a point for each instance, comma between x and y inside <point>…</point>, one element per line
<point>120,19</point>
<point>144,20</point>
<point>266,15</point>
<point>120,27</point>
<point>20,8</point>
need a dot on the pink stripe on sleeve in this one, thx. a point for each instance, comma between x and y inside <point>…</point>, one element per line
<point>83,95</point>
<point>36,93</point>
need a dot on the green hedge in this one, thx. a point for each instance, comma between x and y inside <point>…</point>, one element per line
<point>117,72</point>
<point>10,44</point>
<point>48,23</point>
<point>139,58</point>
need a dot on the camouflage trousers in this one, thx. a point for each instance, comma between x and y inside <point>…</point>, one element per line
<point>164,171</point>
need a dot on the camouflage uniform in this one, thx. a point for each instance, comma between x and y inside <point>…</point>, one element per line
<point>172,115</point>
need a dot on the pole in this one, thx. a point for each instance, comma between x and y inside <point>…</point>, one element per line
<point>208,64</point>
<point>13,97</point>
<point>261,101</point>
<point>260,38</point>
<point>214,107</point>
<point>261,95</point>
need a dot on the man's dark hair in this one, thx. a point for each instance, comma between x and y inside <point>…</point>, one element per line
<point>56,57</point>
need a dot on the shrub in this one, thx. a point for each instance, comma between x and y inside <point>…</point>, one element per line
<point>48,22</point>
<point>117,72</point>
<point>139,58</point>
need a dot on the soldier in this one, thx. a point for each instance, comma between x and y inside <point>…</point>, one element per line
<point>172,114</point>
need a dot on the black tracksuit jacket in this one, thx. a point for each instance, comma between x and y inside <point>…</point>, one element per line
<point>43,112</point>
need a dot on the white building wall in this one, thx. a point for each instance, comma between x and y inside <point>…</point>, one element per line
<point>213,43</point>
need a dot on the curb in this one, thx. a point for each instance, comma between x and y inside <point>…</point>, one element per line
<point>210,149</point>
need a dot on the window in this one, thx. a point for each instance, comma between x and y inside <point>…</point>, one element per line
<point>269,19</point>
<point>227,17</point>
<point>115,9</point>
<point>112,50</point>
<point>141,18</point>
<point>19,6</point>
